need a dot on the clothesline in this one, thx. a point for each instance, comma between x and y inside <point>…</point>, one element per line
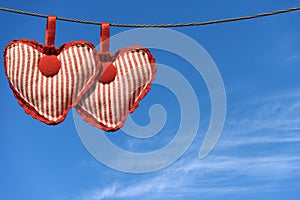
<point>199,23</point>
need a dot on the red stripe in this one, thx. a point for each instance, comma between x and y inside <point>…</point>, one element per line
<point>58,93</point>
<point>53,92</point>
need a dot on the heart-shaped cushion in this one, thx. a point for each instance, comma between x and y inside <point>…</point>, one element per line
<point>107,105</point>
<point>48,81</point>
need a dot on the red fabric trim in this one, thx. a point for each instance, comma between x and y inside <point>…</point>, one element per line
<point>91,120</point>
<point>42,48</point>
<point>50,30</point>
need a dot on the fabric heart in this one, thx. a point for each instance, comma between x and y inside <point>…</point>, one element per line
<point>125,80</point>
<point>107,105</point>
<point>48,81</point>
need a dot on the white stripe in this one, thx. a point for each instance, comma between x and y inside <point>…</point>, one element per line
<point>25,85</point>
<point>101,88</point>
<point>54,81</point>
<point>59,92</point>
<point>30,99</point>
<point>49,82</point>
<point>107,105</point>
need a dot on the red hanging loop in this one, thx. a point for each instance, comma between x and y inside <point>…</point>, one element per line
<point>104,38</point>
<point>50,30</point>
<point>109,71</point>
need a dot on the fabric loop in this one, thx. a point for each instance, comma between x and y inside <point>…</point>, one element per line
<point>50,30</point>
<point>104,38</point>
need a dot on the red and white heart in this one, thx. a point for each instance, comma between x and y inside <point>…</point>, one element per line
<point>107,105</point>
<point>48,81</point>
<point>48,98</point>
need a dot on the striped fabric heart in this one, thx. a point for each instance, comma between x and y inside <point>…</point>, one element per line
<point>107,105</point>
<point>48,81</point>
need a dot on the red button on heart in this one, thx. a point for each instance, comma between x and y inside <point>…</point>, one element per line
<point>49,65</point>
<point>108,104</point>
<point>108,74</point>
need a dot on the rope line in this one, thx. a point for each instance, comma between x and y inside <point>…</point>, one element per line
<point>199,23</point>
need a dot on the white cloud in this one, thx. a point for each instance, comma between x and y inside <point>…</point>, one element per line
<point>275,121</point>
<point>101,193</point>
<point>210,175</point>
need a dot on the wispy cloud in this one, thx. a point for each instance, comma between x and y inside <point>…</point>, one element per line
<point>216,174</point>
<point>252,164</point>
<point>102,193</point>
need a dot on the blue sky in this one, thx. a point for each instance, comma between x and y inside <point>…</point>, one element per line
<point>258,154</point>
